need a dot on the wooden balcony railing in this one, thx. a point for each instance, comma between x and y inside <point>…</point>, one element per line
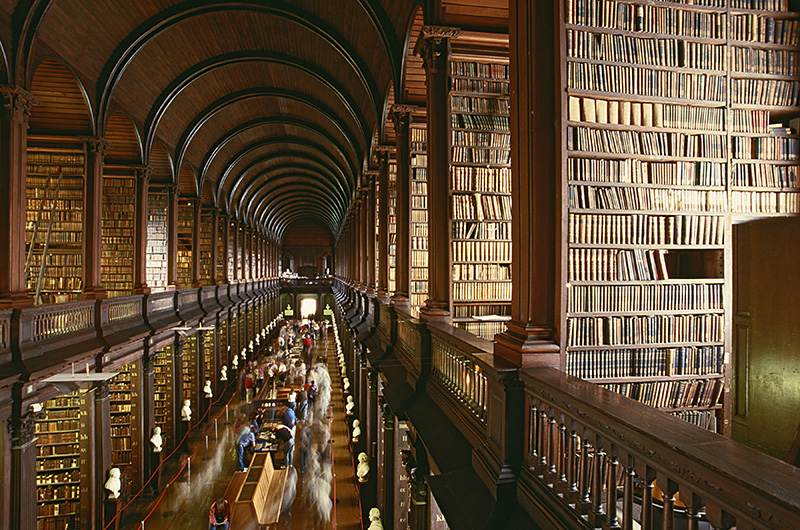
<point>461,375</point>
<point>122,309</point>
<point>52,321</point>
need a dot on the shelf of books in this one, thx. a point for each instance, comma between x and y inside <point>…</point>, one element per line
<point>116,260</point>
<point>163,394</point>
<point>205,247</point>
<point>189,386</point>
<point>377,243</point>
<point>185,236</point>
<point>220,272</point>
<point>62,451</point>
<point>418,277</point>
<point>209,351</point>
<point>392,213</point>
<point>671,133</point>
<point>157,206</point>
<point>54,223</point>
<point>232,263</point>
<point>124,397</point>
<point>480,195</point>
<point>239,251</point>
<point>224,359</point>
<point>234,336</point>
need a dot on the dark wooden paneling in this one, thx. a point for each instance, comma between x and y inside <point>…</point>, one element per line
<point>121,133</point>
<point>63,108</point>
<point>161,164</point>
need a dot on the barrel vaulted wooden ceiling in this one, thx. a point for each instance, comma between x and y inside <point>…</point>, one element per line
<point>266,109</point>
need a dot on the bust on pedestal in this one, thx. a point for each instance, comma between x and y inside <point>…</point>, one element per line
<point>112,501</point>
<point>156,445</point>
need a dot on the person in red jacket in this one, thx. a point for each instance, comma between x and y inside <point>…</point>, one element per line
<point>218,515</point>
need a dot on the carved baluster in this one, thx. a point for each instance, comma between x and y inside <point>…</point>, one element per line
<point>563,456</point>
<point>693,504</point>
<point>627,496</point>
<point>542,440</point>
<point>573,463</point>
<point>648,477</point>
<point>669,505</point>
<point>612,521</point>
<point>553,435</point>
<point>586,475</point>
<point>596,516</point>
<point>533,431</point>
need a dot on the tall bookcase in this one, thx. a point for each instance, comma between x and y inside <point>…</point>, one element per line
<point>672,132</point>
<point>232,256</point>
<point>185,236</point>
<point>124,396</point>
<point>224,355</point>
<point>234,336</point>
<point>221,265</point>
<point>209,351</point>
<point>116,260</point>
<point>157,205</point>
<point>206,274</point>
<point>392,224</point>
<point>189,386</point>
<point>163,395</point>
<point>54,222</point>
<point>418,277</point>
<point>62,451</point>
<point>480,194</point>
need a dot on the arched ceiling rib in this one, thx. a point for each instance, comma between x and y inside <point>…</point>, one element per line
<point>273,103</point>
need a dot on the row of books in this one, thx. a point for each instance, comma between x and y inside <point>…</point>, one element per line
<point>764,148</point>
<point>460,84</point>
<point>645,298</point>
<point>474,251</point>
<point>655,329</point>
<point>609,264</point>
<point>480,139</point>
<point>56,464</point>
<point>419,202</point>
<point>481,155</point>
<point>57,425</point>
<point>750,120</point>
<point>34,172</point>
<point>655,83</point>
<point>673,394</point>
<point>481,271</point>
<point>481,121</point>
<point>156,260</point>
<point>470,290</point>
<point>755,27</point>
<point>58,478</point>
<point>771,92</point>
<point>664,20</point>
<point>649,143</point>
<point>760,61</point>
<point>42,157</point>
<point>477,104</point>
<point>476,69</point>
<point>500,309</point>
<point>58,279</point>
<point>480,179</point>
<point>705,419</point>
<point>765,175</point>
<point>481,230</point>
<point>765,202</point>
<point>483,329</point>
<point>641,198</point>
<point>638,171</point>
<point>646,362</point>
<point>480,206</point>
<point>67,195</point>
<point>47,214</point>
<point>642,229</point>
<point>622,112</point>
<point>419,243</point>
<point>668,52</point>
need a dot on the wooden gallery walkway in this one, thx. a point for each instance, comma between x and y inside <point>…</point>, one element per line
<point>185,504</point>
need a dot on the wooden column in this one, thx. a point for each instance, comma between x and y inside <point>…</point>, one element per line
<point>434,47</point>
<point>22,428</point>
<point>253,252</point>
<point>383,221</point>
<point>388,478</point>
<point>214,245</point>
<point>401,115</point>
<point>197,208</point>
<point>172,237</point>
<point>369,226</point>
<point>102,441</point>
<point>361,226</point>
<point>143,174</point>
<point>243,242</point>
<point>530,339</point>
<point>13,157</point>
<point>226,237</point>
<point>95,149</point>
<point>148,412</point>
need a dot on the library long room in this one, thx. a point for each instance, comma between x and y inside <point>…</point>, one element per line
<point>400,264</point>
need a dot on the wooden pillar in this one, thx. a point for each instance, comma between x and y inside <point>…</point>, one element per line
<point>530,339</point>
<point>13,157</point>
<point>369,230</point>
<point>383,221</point>
<point>361,227</point>
<point>234,238</point>
<point>253,252</point>
<point>149,413</point>
<point>243,243</point>
<point>225,219</point>
<point>197,209</point>
<point>172,237</point>
<point>102,446</point>
<point>388,478</point>
<point>23,464</point>
<point>214,245</point>
<point>434,47</point>
<point>95,149</point>
<point>177,389</point>
<point>143,174</point>
<point>401,115</point>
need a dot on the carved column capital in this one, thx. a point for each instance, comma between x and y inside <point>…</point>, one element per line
<point>144,173</point>
<point>97,145</point>
<point>101,390</point>
<point>433,46</point>
<point>401,115</point>
<point>149,360</point>
<point>19,101</point>
<point>23,429</point>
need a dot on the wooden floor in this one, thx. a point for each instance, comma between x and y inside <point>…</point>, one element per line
<point>185,504</point>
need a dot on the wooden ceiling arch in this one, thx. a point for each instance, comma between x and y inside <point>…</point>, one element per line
<point>125,140</point>
<point>274,217</point>
<point>279,184</point>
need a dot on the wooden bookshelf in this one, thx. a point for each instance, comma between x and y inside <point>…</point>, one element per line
<point>221,265</point>
<point>209,353</point>
<point>224,355</point>
<point>190,386</point>
<point>116,261</point>
<point>206,274</point>
<point>185,240</point>
<point>232,255</point>
<point>234,343</point>
<point>54,223</point>
<point>480,194</point>
<point>163,395</point>
<point>62,445</point>
<point>392,224</point>
<point>157,205</point>
<point>124,396</point>
<point>418,277</point>
<point>663,151</point>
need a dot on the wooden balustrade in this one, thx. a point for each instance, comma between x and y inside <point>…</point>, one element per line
<point>5,329</point>
<point>461,375</point>
<point>160,302</point>
<point>589,445</point>
<point>56,320</point>
<point>122,309</point>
